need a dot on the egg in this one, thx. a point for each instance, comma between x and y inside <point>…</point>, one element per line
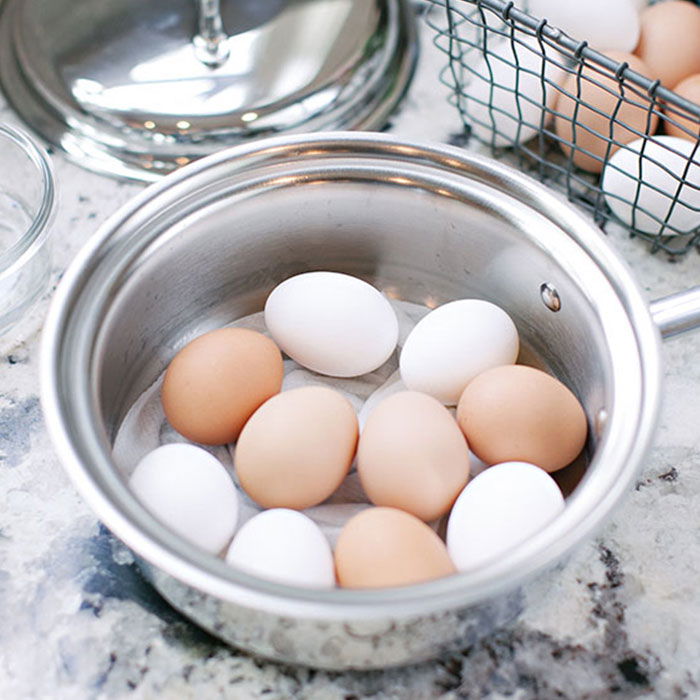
<point>215,382</point>
<point>412,455</point>
<point>284,546</point>
<point>519,413</point>
<point>498,510</point>
<point>669,42</point>
<point>514,93</point>
<point>604,24</point>
<point>591,133</point>
<point>689,89</point>
<point>384,547</point>
<point>332,323</point>
<point>297,448</point>
<point>661,180</point>
<point>190,492</point>
<point>454,343</point>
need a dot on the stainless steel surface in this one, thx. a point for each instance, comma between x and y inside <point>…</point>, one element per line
<point>27,199</point>
<point>677,313</point>
<point>425,224</point>
<point>137,89</point>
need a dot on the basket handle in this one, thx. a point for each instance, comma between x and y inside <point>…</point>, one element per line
<point>677,313</point>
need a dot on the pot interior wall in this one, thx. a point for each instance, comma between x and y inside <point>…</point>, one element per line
<point>412,239</point>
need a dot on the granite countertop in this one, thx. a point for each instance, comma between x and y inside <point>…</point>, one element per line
<point>621,619</point>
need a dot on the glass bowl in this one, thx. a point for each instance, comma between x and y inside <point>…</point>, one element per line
<point>27,200</point>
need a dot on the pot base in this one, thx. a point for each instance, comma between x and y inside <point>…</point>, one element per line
<point>361,645</point>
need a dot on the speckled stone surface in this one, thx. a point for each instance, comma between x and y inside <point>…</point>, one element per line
<point>621,619</point>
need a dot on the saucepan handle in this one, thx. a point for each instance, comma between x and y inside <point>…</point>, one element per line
<point>677,313</point>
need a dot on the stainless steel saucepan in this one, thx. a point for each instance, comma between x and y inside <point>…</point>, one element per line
<point>423,223</point>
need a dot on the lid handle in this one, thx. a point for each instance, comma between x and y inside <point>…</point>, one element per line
<point>211,43</point>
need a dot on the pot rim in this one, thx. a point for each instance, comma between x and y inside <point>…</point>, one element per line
<point>168,552</point>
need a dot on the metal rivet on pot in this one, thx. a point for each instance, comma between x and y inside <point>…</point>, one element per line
<point>550,296</point>
<point>601,418</point>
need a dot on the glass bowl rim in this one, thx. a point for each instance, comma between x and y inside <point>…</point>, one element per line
<point>33,237</point>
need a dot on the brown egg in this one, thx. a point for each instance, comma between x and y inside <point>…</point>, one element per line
<point>669,42</point>
<point>383,547</point>
<point>215,383</point>
<point>412,455</point>
<point>599,98</point>
<point>689,88</point>
<point>297,448</point>
<point>521,414</point>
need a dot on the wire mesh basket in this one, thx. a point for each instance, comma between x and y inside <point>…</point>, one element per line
<point>577,119</point>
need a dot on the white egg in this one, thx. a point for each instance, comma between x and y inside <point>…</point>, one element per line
<point>453,344</point>
<point>604,24</point>
<point>516,97</point>
<point>332,323</point>
<point>498,510</point>
<point>622,174</point>
<point>285,546</point>
<point>191,492</point>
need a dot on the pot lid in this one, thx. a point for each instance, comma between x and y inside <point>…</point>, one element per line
<point>137,89</point>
